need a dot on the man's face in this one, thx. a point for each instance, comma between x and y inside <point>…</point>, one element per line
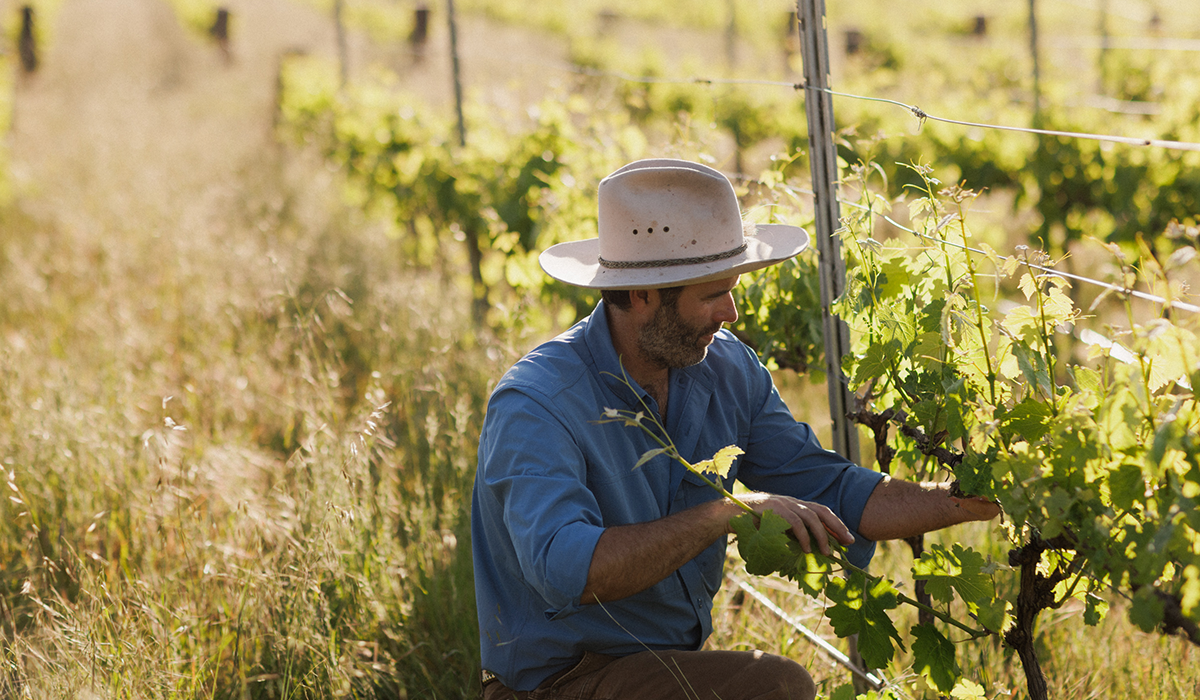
<point>679,333</point>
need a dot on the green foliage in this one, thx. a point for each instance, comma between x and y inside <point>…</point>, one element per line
<point>955,571</point>
<point>1094,461</point>
<point>938,657</point>
<point>1105,465</point>
<point>780,315</point>
<point>860,606</point>
<point>764,545</point>
<point>509,194</point>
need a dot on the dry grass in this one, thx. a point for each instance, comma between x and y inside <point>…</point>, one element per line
<point>237,429</point>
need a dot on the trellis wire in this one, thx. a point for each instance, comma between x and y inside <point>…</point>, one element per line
<point>833,652</point>
<point>917,112</point>
<point>1170,303</point>
<point>1174,304</point>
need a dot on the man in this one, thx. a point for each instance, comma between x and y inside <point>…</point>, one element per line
<point>594,579</point>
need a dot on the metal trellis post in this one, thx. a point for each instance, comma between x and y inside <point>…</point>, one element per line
<point>823,159</point>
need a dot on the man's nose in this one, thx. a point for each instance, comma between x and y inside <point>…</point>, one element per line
<point>727,310</point>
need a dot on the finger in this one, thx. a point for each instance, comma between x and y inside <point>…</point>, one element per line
<point>977,507</point>
<point>830,524</point>
<point>835,526</point>
<point>814,529</point>
<point>800,532</point>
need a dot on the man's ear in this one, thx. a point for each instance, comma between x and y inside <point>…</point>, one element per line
<point>643,301</point>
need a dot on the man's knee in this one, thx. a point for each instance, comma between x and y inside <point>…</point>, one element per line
<point>779,678</point>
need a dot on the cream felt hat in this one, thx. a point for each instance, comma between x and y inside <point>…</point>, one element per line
<point>665,223</point>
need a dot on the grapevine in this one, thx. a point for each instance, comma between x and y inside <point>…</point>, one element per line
<point>1098,488</point>
<point>860,601</point>
<point>1094,459</point>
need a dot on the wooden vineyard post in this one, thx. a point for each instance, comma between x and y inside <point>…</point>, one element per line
<point>219,31</point>
<point>818,103</point>
<point>1102,57</point>
<point>420,32</point>
<point>343,50</point>
<point>479,294</point>
<point>457,76</point>
<point>27,43</point>
<point>1037,71</point>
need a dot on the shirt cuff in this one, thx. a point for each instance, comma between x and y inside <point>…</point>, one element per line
<point>571,553</point>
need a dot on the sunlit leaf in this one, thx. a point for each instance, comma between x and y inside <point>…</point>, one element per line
<point>1028,285</point>
<point>1126,486</point>
<point>933,655</point>
<point>1028,419</point>
<point>876,362</point>
<point>967,689</point>
<point>860,607</point>
<point>1095,609</point>
<point>722,461</point>
<point>1057,307</point>
<point>763,546</point>
<point>1190,594</point>
<point>1020,319</point>
<point>945,571</point>
<point>993,615</point>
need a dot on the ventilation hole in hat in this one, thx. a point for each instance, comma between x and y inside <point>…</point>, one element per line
<point>666,229</point>
<point>635,232</point>
<point>649,230</point>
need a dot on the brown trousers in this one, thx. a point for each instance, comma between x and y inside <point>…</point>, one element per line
<point>671,675</point>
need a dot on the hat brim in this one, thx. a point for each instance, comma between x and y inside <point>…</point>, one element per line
<point>578,262</point>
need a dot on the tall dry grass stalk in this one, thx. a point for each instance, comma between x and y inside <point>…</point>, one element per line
<point>236,464</point>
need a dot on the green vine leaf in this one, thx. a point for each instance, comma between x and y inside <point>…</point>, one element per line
<point>876,361</point>
<point>860,607</point>
<point>649,455</point>
<point>1146,611</point>
<point>993,615</point>
<point>934,655</point>
<point>1096,609</point>
<point>958,570</point>
<point>721,462</point>
<point>967,689</point>
<point>1126,486</point>
<point>1028,419</point>
<point>764,545</point>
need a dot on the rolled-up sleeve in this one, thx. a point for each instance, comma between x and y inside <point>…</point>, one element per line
<point>533,478</point>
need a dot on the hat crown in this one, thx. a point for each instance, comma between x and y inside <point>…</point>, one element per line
<point>664,223</point>
<point>667,211</point>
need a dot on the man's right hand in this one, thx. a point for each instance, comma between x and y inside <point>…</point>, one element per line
<point>812,523</point>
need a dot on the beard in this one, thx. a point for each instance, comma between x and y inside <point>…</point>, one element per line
<point>671,341</point>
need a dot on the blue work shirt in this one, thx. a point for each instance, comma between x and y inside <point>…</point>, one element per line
<point>551,478</point>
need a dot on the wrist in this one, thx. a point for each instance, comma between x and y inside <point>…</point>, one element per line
<point>728,509</point>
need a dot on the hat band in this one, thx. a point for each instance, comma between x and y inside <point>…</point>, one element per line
<point>670,262</point>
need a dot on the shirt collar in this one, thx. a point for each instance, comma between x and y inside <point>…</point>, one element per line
<point>598,340</point>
